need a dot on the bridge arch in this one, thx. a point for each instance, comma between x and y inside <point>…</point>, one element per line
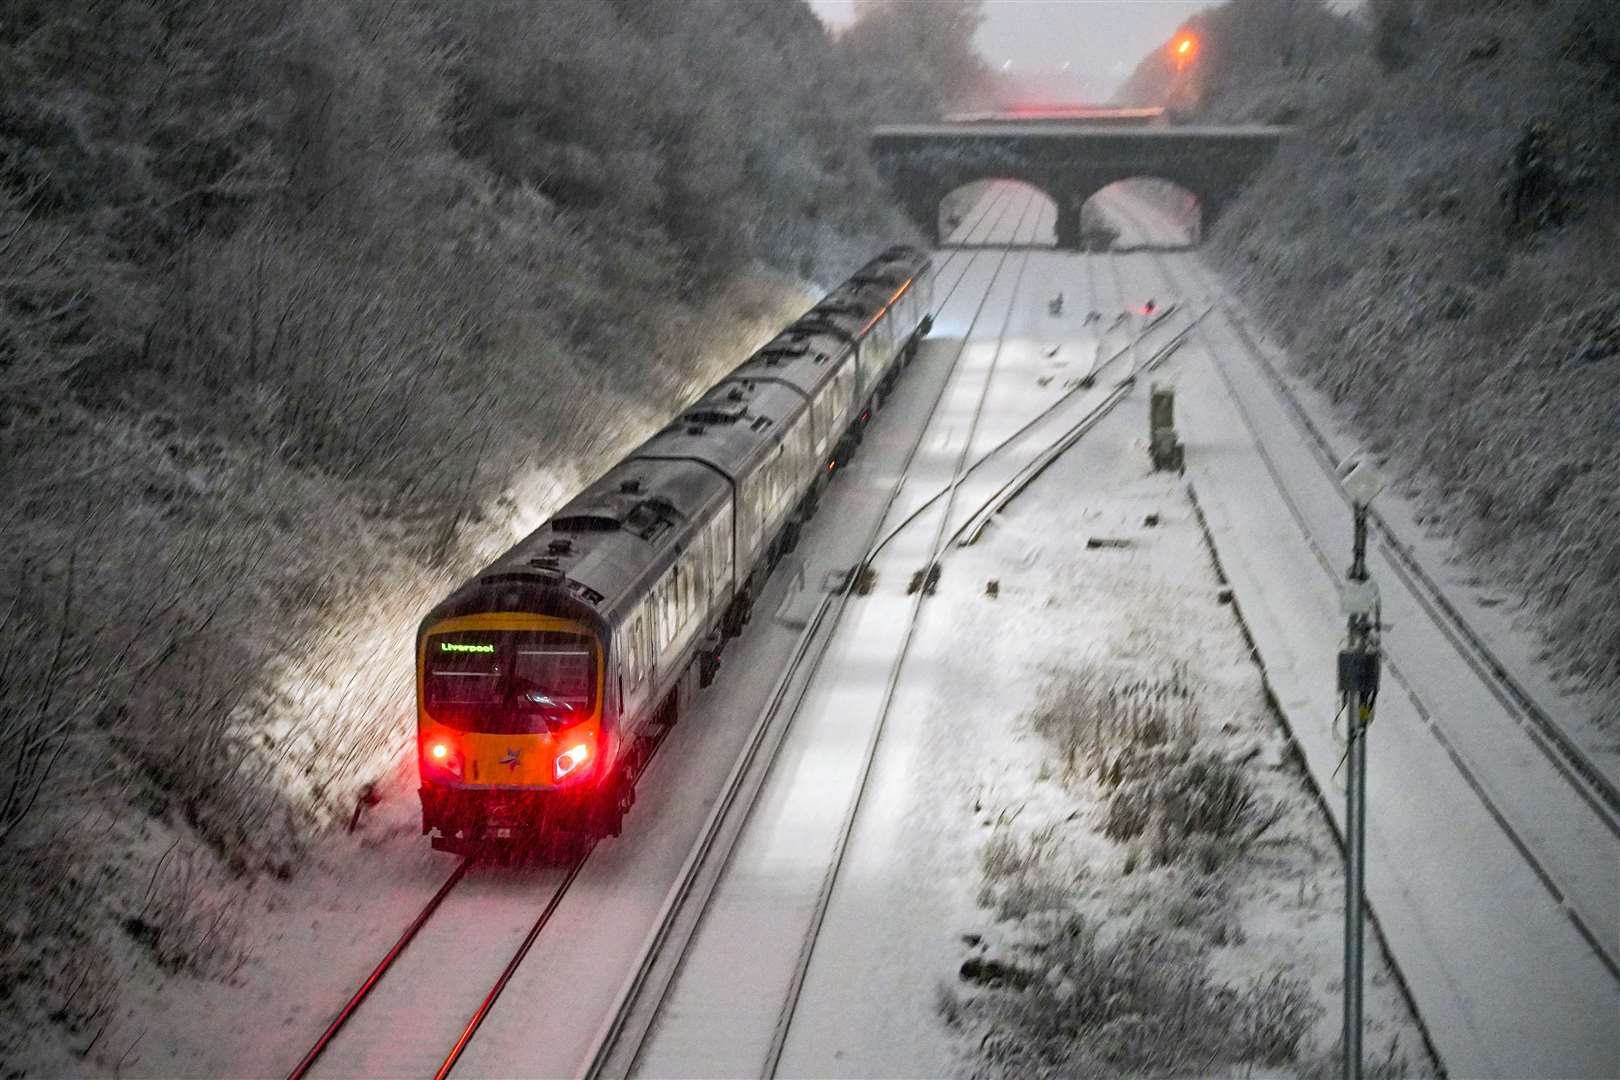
<point>957,214</point>
<point>1146,210</point>
<point>1071,162</point>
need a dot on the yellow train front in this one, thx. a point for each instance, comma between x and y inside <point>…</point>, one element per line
<point>512,737</point>
<point>545,682</point>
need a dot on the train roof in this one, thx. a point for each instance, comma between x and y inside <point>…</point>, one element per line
<point>850,310</point>
<point>804,358</point>
<point>593,554</point>
<point>839,313</point>
<point>730,427</point>
<point>517,592</point>
<point>900,259</point>
<point>620,530</point>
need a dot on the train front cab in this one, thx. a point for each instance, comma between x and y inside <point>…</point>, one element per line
<point>511,737</point>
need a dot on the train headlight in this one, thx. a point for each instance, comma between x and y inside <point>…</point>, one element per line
<point>440,754</point>
<point>570,760</point>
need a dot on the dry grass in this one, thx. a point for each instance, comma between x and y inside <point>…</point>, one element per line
<point>1143,1001</point>
<point>1077,997</point>
<point>1137,739</point>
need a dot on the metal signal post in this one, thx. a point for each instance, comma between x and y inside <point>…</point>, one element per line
<point>1358,690</point>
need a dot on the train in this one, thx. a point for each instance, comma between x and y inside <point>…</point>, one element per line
<point>545,681</point>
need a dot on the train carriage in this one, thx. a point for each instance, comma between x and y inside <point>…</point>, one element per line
<point>543,682</point>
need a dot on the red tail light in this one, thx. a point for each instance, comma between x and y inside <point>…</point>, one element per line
<point>440,754</point>
<point>571,759</point>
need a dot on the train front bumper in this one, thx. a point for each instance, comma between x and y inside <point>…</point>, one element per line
<point>463,816</point>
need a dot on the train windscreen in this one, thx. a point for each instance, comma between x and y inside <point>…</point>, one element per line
<point>509,681</point>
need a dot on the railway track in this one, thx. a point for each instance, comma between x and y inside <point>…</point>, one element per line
<point>623,1041</point>
<point>1540,728</point>
<point>623,1037</point>
<point>970,530</point>
<point>994,212</point>
<point>1110,397</point>
<point>869,754</point>
<point>358,998</point>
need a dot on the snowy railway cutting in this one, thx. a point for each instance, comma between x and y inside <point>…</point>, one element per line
<point>1439,887</point>
<point>994,212</point>
<point>960,463</point>
<point>1052,428</point>
<point>709,539</point>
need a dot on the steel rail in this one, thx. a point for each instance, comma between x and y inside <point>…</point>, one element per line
<point>1015,485</point>
<point>512,965</point>
<point>1595,787</point>
<point>352,1005</point>
<point>302,1068</point>
<point>711,854</point>
<point>1004,201</point>
<point>801,968</point>
<point>1470,776</point>
<point>1125,350</point>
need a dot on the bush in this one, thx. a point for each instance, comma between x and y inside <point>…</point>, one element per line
<point>1143,1002</point>
<point>1477,268</point>
<point>308,309</point>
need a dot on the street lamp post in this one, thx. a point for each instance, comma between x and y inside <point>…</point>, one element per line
<point>1358,690</point>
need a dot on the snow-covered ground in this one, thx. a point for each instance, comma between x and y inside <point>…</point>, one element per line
<point>311,942</point>
<point>974,841</point>
<point>1496,880</point>
<point>962,771</point>
<point>956,753</point>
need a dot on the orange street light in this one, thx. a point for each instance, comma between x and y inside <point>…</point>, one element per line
<point>1183,49</point>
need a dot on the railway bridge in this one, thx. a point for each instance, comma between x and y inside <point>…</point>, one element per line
<point>1069,161</point>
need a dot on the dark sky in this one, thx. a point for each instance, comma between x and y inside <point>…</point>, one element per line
<point>1100,40</point>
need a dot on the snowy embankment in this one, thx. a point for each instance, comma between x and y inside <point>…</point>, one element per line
<point>288,948</point>
<point>1491,871</point>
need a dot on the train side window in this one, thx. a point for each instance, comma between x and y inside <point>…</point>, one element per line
<point>627,656</point>
<point>683,596</point>
<point>667,594</point>
<point>688,590</point>
<point>644,642</point>
<point>661,616</point>
<point>677,610</point>
<point>689,585</point>
<point>722,546</point>
<point>700,573</point>
<point>633,651</point>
